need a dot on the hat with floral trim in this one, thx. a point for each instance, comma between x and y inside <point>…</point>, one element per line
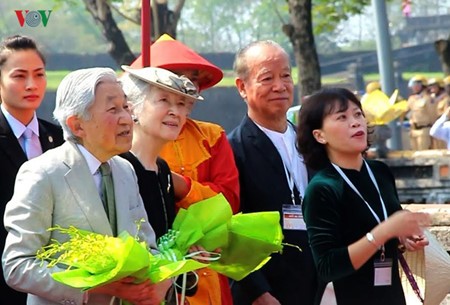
<point>165,80</point>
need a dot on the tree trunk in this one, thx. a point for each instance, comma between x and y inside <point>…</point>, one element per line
<point>300,33</point>
<point>171,19</point>
<point>119,49</point>
<point>443,49</point>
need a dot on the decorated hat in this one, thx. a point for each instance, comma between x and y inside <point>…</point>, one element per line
<point>171,54</point>
<point>165,80</point>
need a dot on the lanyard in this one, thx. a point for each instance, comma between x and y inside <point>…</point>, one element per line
<point>372,177</point>
<point>291,183</point>
<point>290,162</point>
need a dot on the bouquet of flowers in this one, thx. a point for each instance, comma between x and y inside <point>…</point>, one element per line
<point>246,241</point>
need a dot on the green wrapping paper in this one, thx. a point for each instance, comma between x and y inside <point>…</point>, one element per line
<point>204,223</point>
<point>251,239</point>
<point>246,242</point>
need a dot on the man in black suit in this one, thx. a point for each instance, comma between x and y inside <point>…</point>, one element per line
<point>22,89</point>
<point>272,176</point>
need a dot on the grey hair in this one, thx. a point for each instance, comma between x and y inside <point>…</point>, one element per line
<point>240,65</point>
<point>76,94</point>
<point>136,90</point>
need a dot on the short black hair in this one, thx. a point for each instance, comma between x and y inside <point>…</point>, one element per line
<point>312,113</point>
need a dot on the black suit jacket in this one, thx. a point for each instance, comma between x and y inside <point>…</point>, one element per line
<point>290,276</point>
<point>11,158</point>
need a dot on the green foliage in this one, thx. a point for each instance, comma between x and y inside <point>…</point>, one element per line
<point>328,14</point>
<point>206,26</point>
<point>220,26</point>
<point>70,28</point>
<point>59,4</point>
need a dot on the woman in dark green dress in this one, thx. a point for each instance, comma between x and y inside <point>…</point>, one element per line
<point>352,212</point>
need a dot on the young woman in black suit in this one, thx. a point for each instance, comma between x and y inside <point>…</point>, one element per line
<point>22,88</point>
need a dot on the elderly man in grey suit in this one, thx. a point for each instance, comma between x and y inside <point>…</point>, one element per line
<point>62,187</point>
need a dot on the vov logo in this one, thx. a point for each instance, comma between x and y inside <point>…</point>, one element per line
<point>33,18</point>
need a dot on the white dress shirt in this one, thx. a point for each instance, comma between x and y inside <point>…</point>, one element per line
<point>293,162</point>
<point>18,128</point>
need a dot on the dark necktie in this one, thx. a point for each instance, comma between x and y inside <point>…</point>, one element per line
<point>108,199</point>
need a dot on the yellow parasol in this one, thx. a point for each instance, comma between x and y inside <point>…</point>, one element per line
<point>381,109</point>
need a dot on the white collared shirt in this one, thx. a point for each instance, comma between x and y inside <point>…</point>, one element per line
<point>18,128</point>
<point>94,165</point>
<point>292,159</point>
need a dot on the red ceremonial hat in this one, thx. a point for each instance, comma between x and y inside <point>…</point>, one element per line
<point>170,54</point>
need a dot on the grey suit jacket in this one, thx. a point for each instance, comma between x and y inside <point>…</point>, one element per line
<point>57,188</point>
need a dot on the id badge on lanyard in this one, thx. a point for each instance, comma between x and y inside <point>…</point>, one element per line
<point>382,271</point>
<point>292,213</point>
<point>293,217</point>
